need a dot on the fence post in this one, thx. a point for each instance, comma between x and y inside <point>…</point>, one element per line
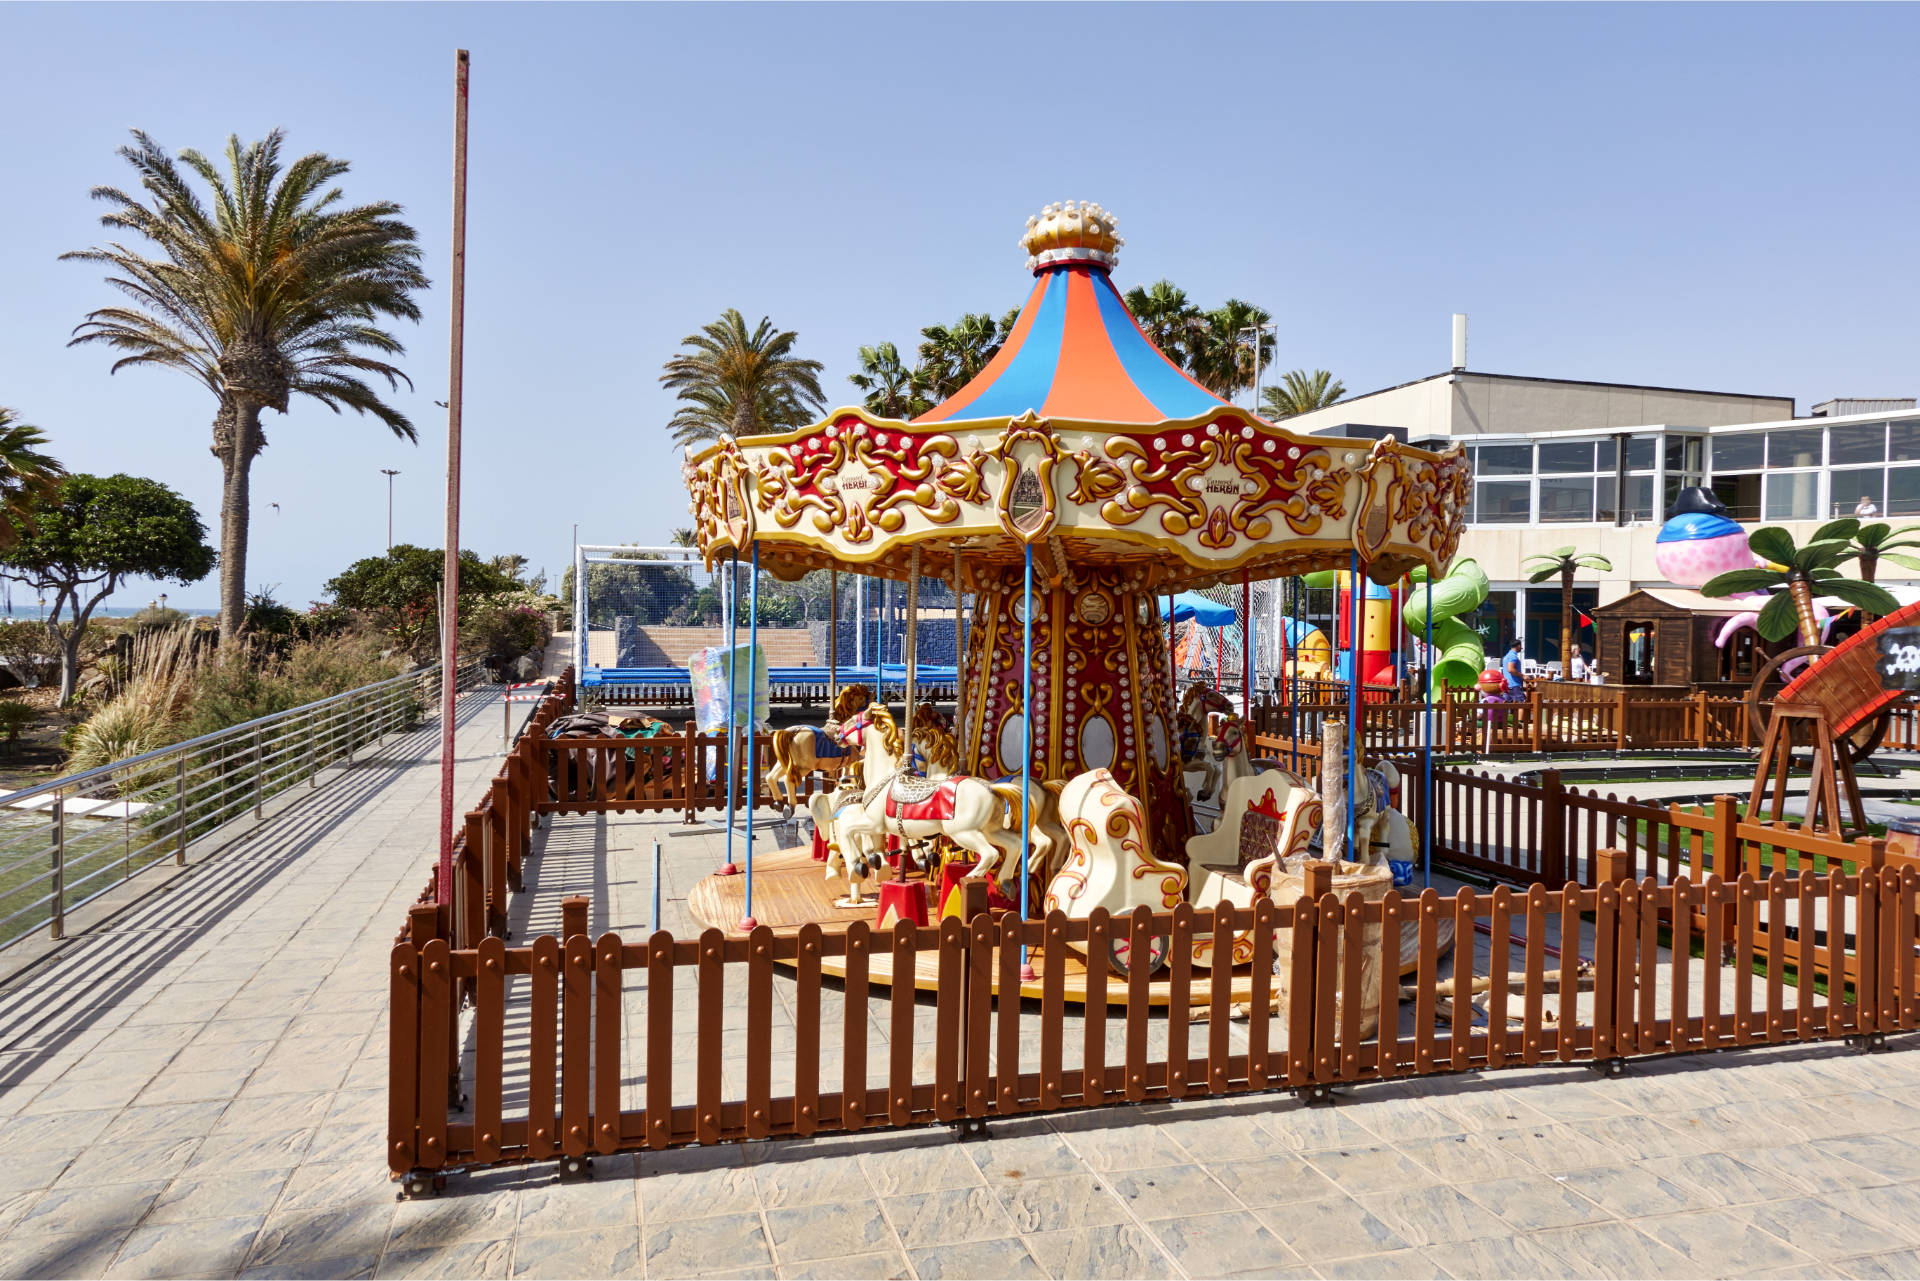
<point>259,764</point>
<point>1533,719</point>
<point>1620,719</point>
<point>1553,830</point>
<point>689,753</point>
<point>58,925</point>
<point>1700,718</point>
<point>1616,870</point>
<point>180,811</point>
<point>573,915</point>
<point>1726,863</point>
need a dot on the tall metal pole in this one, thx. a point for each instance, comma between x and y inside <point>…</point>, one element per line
<point>1246,644</point>
<point>450,573</point>
<point>1026,750</point>
<point>833,638</point>
<point>1354,607</point>
<point>728,600</point>
<point>1426,784</point>
<point>747,923</point>
<point>912,656</point>
<point>389,473</point>
<point>959,666</point>
<point>1293,689</point>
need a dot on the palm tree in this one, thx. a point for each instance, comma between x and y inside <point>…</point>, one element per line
<point>1221,359</point>
<point>1797,576</point>
<point>1170,322</point>
<point>951,356</point>
<point>893,390</point>
<point>1301,392</point>
<point>276,290</point>
<point>1881,541</point>
<point>1563,561</point>
<point>741,384</point>
<point>28,476</point>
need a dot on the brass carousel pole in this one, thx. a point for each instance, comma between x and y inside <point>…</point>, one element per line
<point>833,639</point>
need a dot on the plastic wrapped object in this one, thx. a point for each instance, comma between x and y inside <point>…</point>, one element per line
<point>1372,881</point>
<point>711,670</point>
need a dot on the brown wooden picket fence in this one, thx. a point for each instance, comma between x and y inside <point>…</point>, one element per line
<point>1304,1030</point>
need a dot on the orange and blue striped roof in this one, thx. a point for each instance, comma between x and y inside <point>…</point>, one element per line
<point>1077,353</point>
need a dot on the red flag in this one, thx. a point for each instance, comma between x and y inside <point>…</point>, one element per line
<point>1584,620</point>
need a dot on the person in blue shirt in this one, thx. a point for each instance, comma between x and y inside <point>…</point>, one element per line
<point>1510,667</point>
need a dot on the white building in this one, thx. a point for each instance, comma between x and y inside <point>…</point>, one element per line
<point>1597,465</point>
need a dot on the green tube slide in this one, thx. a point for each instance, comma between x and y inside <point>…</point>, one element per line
<point>1462,591</point>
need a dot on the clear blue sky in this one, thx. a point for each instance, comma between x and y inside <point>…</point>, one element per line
<point>1716,196</point>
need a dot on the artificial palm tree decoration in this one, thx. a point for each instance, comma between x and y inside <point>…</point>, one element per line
<point>270,289</point>
<point>1301,392</point>
<point>1797,576</point>
<point>1880,541</point>
<point>741,382</point>
<point>28,476</point>
<point>1563,562</point>
<point>893,390</point>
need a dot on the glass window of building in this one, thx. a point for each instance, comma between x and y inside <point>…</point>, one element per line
<point>1563,456</point>
<point>1796,447</point>
<point>1903,491</point>
<point>1739,464</point>
<point>1857,443</point>
<point>1503,460</point>
<point>1793,495</point>
<point>1640,453</point>
<point>1566,498</point>
<point>1503,502</point>
<point>1851,484</point>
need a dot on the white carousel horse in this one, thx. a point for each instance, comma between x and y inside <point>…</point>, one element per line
<point>1220,753</point>
<point>797,752</point>
<point>973,813</point>
<point>1383,833</point>
<point>934,738</point>
<point>1108,863</point>
<point>1266,820</point>
<point>858,870</point>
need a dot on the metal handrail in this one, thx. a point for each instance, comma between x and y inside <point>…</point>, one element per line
<point>182,793</point>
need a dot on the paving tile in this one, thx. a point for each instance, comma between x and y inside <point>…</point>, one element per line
<point>820,1181</point>
<point>1403,1265</point>
<point>151,1123</point>
<point>1513,1258</point>
<point>1889,1154</point>
<point>1558,1149</point>
<point>1612,1250</point>
<point>1898,1265</point>
<point>950,1216</point>
<point>1170,1191</point>
<point>199,1194</point>
<point>1271,1180</point>
<point>349,1183</point>
<point>209,1247</point>
<point>1216,1244</point>
<point>1529,1203</point>
<point>887,1265</point>
<point>488,1259</point>
<point>1722,1241</point>
<point>78,1254</point>
<point>1050,1205</point>
<point>988,1260</point>
<point>1216,1138</point>
<point>1434,1215</point>
<point>85,1096</point>
<point>1896,1206</point>
<point>551,1206</point>
<point>1379,1168</point>
<point>68,1130</point>
<point>612,1251</point>
<point>102,1165</point>
<point>193,1087</point>
<point>27,1170</point>
<point>322,1239</point>
<point>108,1211</point>
<point>1129,1144</point>
<point>1812,1167</point>
<point>1820,1229</point>
<point>811,1232</point>
<point>1633,1192</point>
<point>1123,1253</point>
<point>687,1245</point>
<point>1025,1156</point>
<point>670,1195</point>
<point>246,1150</point>
<point>1299,1128</point>
<point>1330,1227</point>
<point>905,1170</point>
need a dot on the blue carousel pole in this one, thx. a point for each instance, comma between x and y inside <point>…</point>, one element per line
<point>1293,678</point>
<point>1355,606</point>
<point>1426,785</point>
<point>747,922</point>
<point>729,868</point>
<point>1026,746</point>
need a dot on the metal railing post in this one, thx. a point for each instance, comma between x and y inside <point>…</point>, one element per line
<point>58,925</point>
<point>259,780</point>
<point>313,749</point>
<point>180,809</point>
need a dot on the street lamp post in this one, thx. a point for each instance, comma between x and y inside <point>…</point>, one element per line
<point>389,473</point>
<point>1256,331</point>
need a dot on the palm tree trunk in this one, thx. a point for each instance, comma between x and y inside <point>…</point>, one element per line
<point>1869,564</point>
<point>236,433</point>
<point>1566,622</point>
<point>1803,610</point>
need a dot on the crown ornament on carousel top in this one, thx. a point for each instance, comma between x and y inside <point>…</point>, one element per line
<point>1073,231</point>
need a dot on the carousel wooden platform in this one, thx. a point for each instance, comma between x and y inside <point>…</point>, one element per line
<point>790,890</point>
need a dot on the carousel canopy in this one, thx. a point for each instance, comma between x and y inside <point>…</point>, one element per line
<point>1083,441</point>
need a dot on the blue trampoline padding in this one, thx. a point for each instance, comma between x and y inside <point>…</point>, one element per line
<point>891,673</point>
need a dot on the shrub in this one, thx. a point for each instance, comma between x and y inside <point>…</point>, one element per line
<point>15,716</point>
<point>158,616</point>
<point>29,649</point>
<point>251,682</point>
<point>502,628</point>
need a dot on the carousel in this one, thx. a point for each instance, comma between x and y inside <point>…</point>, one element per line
<point>1077,483</point>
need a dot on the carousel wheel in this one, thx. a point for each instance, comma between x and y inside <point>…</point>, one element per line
<point>1119,954</point>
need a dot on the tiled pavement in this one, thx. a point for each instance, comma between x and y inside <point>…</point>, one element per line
<point>197,1090</point>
